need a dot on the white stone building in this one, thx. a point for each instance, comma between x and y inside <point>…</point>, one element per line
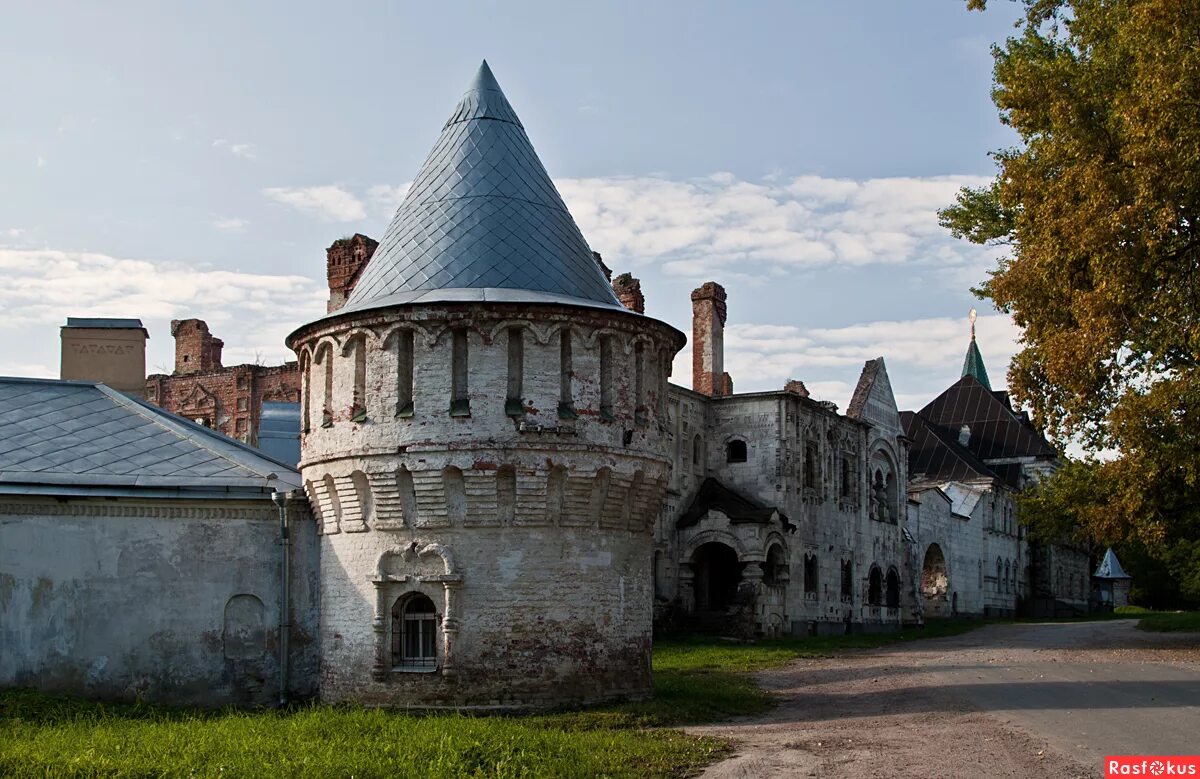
<point>499,489</point>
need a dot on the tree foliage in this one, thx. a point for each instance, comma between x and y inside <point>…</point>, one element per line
<point>1099,206</point>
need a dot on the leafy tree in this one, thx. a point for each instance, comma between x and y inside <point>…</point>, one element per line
<point>1099,208</point>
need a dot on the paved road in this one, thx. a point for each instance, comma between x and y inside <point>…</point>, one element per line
<point>1028,700</point>
<point>1090,688</point>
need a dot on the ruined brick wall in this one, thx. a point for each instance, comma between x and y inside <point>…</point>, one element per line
<point>629,292</point>
<point>526,520</point>
<point>708,340</point>
<point>225,399</point>
<point>345,260</point>
<point>196,349</point>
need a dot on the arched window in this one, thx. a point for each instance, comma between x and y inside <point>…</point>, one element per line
<point>847,483</point>
<point>893,589</point>
<point>414,633</point>
<point>775,567</point>
<point>811,453</point>
<point>847,580</point>
<point>697,453</point>
<point>811,575</point>
<point>566,373</point>
<point>607,411</point>
<point>404,374</point>
<point>1000,572</point>
<point>460,395</point>
<point>1006,572</point>
<point>875,587</point>
<point>735,452</point>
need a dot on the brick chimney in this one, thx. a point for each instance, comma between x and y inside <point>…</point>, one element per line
<point>629,292</point>
<point>344,262</point>
<point>195,348</point>
<point>708,341</point>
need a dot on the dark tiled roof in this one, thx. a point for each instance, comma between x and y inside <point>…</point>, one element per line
<point>996,432</point>
<point>74,437</point>
<point>739,508</point>
<point>104,323</point>
<point>482,221</point>
<point>935,456</point>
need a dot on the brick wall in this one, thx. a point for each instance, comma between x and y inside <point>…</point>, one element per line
<point>708,340</point>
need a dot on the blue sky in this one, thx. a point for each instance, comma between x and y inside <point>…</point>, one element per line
<point>166,160</point>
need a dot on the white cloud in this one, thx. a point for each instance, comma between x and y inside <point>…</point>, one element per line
<point>924,356</point>
<point>14,232</point>
<point>252,312</point>
<point>385,199</point>
<point>327,203</point>
<point>244,150</point>
<point>40,161</point>
<point>230,225</point>
<point>720,223</point>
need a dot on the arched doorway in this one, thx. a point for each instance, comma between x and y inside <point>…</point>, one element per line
<point>893,589</point>
<point>875,587</point>
<point>717,573</point>
<point>935,584</point>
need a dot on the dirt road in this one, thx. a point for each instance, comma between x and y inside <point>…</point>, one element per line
<point>1030,700</point>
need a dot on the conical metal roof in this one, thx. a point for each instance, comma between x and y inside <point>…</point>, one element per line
<point>482,221</point>
<point>1110,567</point>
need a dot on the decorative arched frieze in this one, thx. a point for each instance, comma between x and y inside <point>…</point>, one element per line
<point>423,567</point>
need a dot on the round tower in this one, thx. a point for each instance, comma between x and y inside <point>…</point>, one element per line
<point>485,445</point>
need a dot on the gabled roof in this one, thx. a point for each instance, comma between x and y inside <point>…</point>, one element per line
<point>1110,567</point>
<point>873,401</point>
<point>83,438</point>
<point>713,495</point>
<point>482,221</point>
<point>936,457</point>
<point>996,432</point>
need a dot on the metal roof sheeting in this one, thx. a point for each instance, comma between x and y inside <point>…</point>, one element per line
<point>482,215</point>
<point>64,437</point>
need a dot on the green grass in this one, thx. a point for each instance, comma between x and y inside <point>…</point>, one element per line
<point>1132,610</point>
<point>696,680</point>
<point>1171,622</point>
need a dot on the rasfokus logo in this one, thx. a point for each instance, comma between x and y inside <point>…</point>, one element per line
<point>1151,765</point>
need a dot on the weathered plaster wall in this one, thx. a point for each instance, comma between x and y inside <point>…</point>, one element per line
<point>170,601</point>
<point>795,450</point>
<point>538,506</point>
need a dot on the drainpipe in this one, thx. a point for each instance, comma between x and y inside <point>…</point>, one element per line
<point>285,623</point>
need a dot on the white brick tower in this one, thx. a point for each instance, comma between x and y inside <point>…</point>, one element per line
<point>484,445</point>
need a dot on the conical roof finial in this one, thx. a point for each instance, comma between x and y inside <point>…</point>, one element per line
<point>973,364</point>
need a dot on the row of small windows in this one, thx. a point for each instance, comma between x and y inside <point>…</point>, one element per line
<point>878,586</point>
<point>735,452</point>
<point>460,360</point>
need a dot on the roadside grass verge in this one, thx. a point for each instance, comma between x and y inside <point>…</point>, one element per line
<point>697,680</point>
<point>1171,622</point>
<point>42,736</point>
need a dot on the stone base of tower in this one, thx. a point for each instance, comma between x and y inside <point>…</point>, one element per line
<point>540,618</point>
